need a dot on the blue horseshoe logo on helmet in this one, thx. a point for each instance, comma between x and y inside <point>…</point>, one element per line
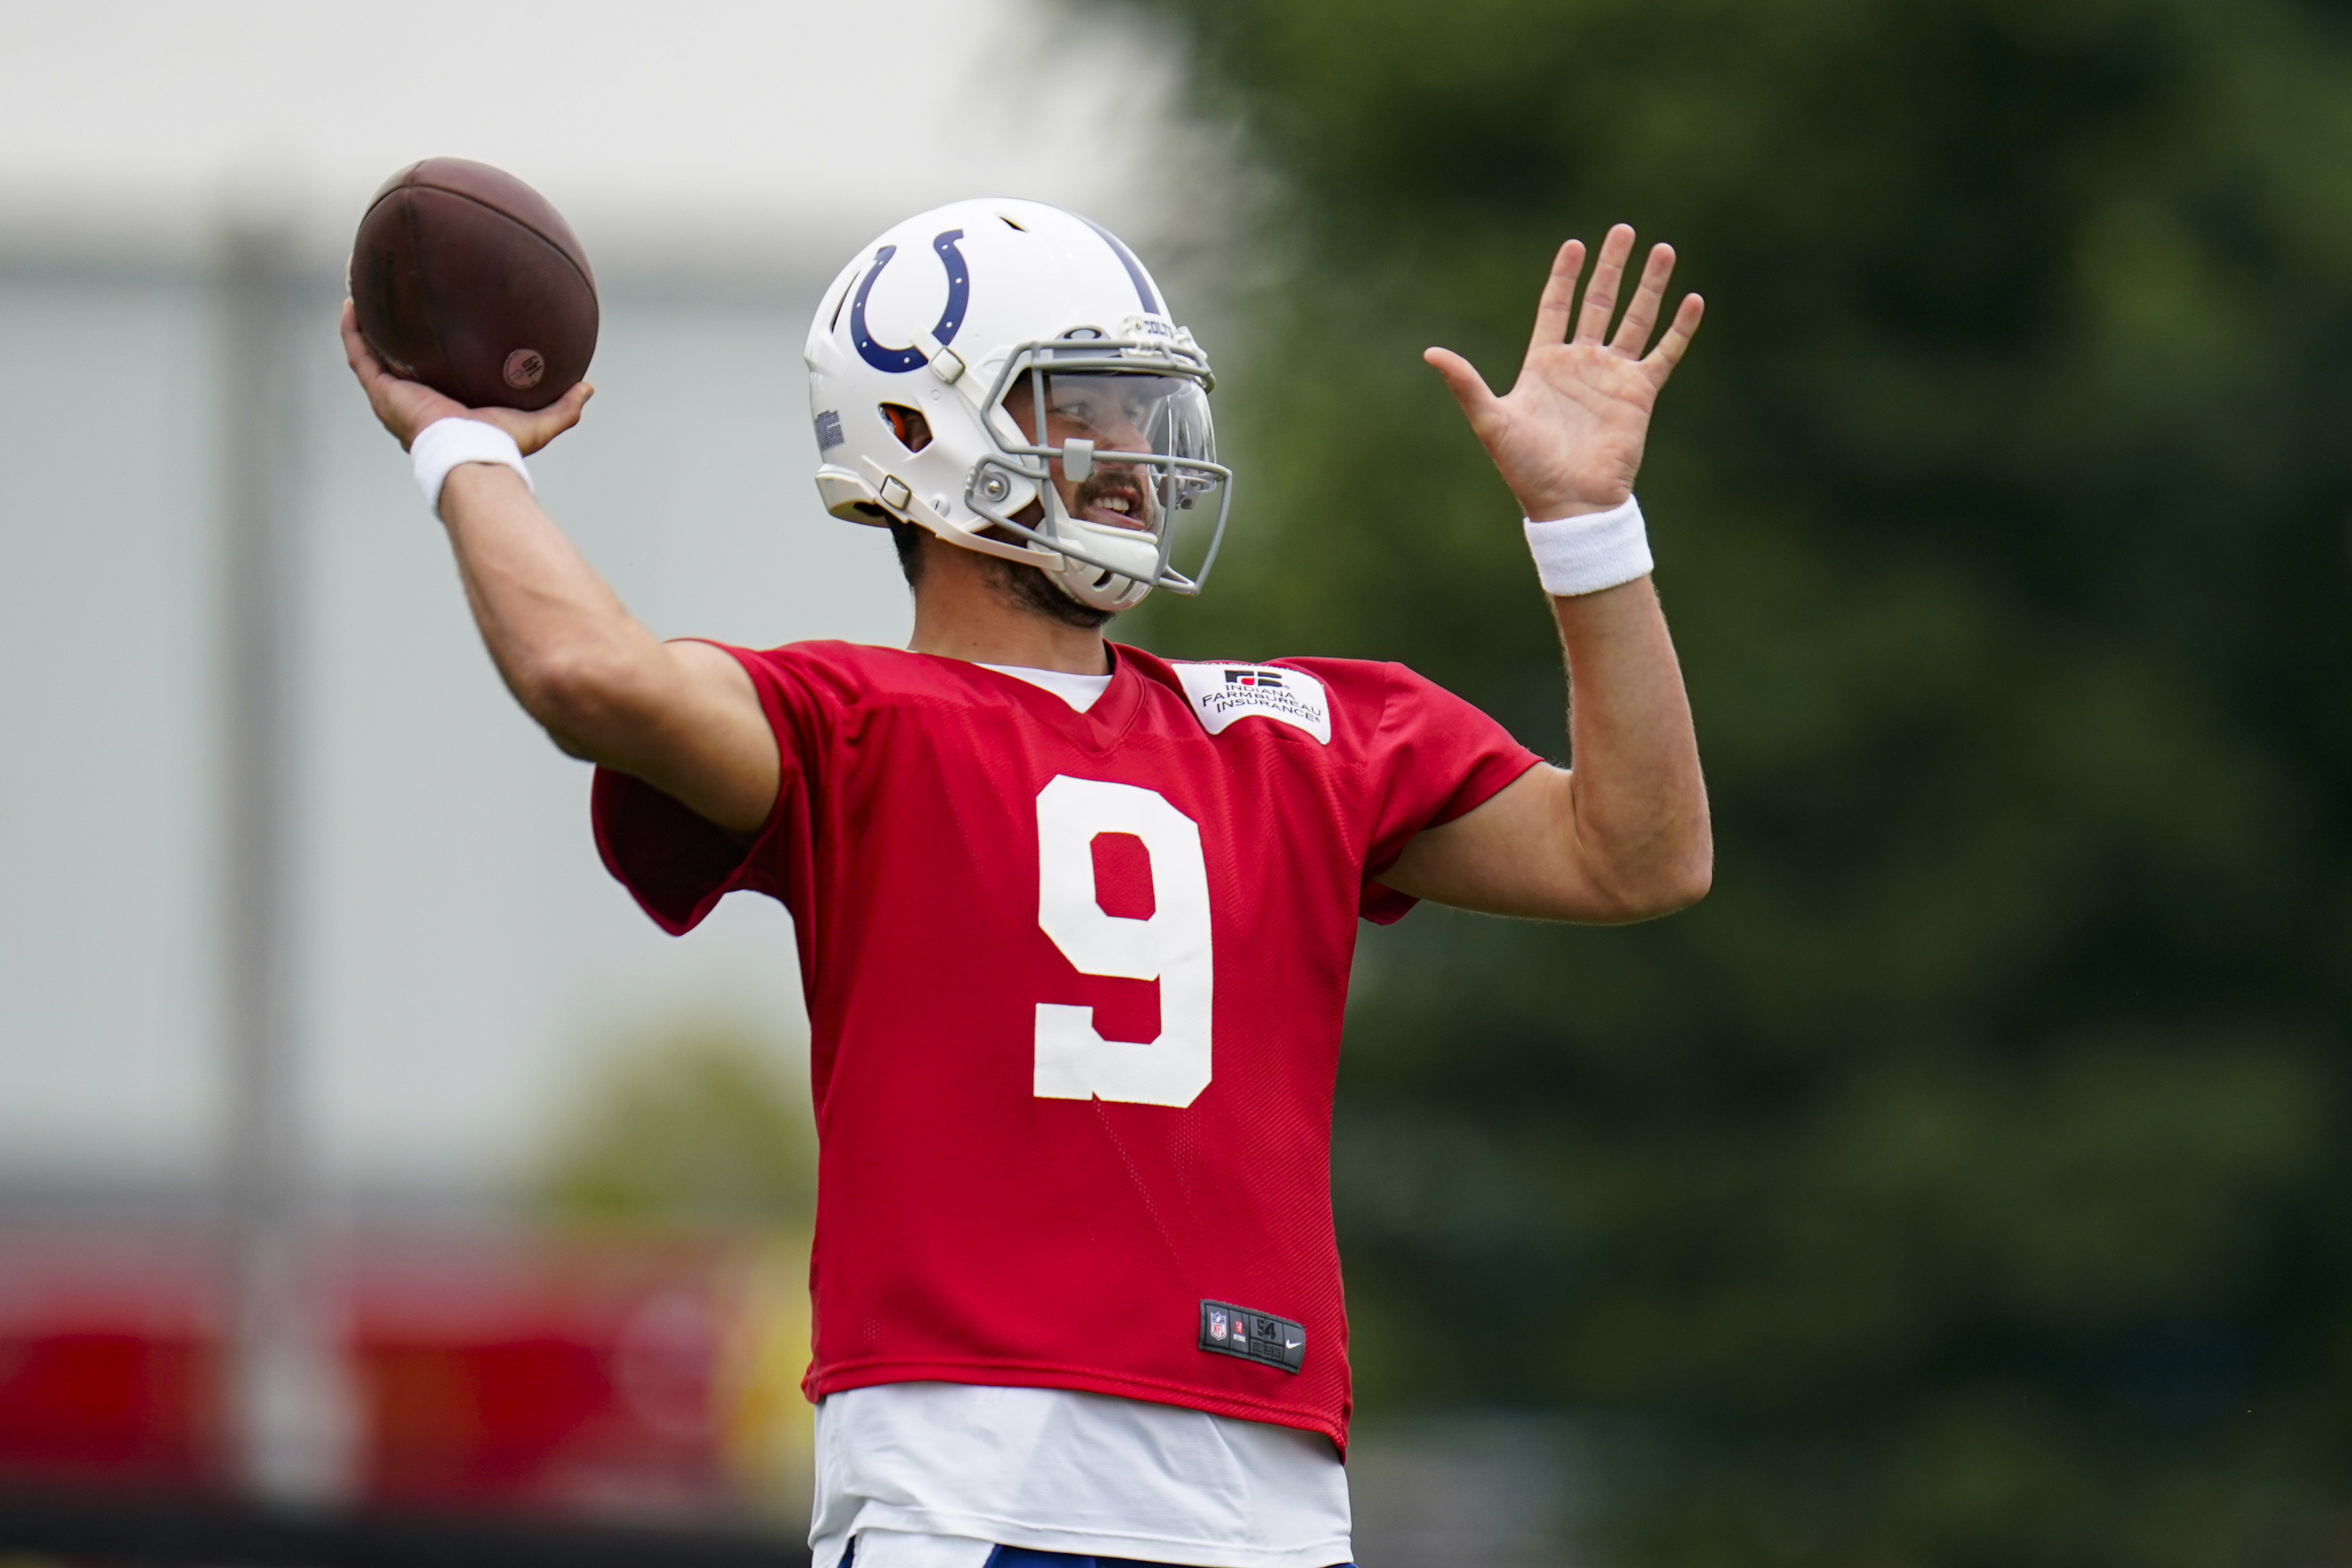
<point>951,319</point>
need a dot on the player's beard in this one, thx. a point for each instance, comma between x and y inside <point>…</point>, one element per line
<point>1027,587</point>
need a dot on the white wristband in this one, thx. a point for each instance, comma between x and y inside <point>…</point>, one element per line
<point>445,443</point>
<point>1585,555</point>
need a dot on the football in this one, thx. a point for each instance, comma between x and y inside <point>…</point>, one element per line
<point>470,281</point>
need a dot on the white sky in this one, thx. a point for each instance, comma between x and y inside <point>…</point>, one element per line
<point>673,125</point>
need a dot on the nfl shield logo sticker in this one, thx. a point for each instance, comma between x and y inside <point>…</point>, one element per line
<point>1216,1324</point>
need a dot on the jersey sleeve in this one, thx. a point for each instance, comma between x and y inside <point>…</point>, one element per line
<point>678,864</point>
<point>1434,758</point>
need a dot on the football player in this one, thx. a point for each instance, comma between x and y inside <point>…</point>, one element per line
<point>1075,921</point>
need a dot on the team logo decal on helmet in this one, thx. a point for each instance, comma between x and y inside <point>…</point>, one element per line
<point>951,319</point>
<point>1067,426</point>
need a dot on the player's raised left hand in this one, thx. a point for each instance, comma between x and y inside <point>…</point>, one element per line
<point>1568,437</point>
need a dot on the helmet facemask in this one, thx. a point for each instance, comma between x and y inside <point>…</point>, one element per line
<point>1106,456</point>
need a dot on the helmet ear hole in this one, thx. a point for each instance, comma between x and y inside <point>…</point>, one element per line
<point>913,431</point>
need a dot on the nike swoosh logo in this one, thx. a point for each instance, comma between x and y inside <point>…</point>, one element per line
<point>1292,1345</point>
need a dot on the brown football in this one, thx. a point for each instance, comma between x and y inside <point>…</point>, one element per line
<point>470,281</point>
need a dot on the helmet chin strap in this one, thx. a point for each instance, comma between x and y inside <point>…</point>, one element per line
<point>1098,589</point>
<point>1094,586</point>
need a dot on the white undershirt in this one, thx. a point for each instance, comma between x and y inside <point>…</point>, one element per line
<point>934,1475</point>
<point>1080,691</point>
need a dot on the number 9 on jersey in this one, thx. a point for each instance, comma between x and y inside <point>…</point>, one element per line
<point>1170,946</point>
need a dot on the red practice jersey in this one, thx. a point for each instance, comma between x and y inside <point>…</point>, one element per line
<point>1074,985</point>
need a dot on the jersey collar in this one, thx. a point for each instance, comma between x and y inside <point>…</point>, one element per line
<point>1101,727</point>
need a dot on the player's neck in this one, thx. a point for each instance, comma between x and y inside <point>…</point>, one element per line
<point>962,613</point>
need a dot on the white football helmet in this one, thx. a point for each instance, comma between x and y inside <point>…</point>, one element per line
<point>1007,375</point>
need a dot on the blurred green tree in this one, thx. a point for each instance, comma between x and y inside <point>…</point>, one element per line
<point>699,1125</point>
<point>1965,1182</point>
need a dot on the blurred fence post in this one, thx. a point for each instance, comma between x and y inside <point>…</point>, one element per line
<point>287,1424</point>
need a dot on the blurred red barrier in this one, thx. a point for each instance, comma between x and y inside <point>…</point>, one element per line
<point>571,1376</point>
<point>604,1378</point>
<point>107,1364</point>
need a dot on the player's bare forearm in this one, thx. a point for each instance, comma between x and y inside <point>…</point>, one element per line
<point>682,716</point>
<point>1624,836</point>
<point>1635,804</point>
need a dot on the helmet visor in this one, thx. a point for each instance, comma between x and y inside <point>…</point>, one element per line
<point>1127,451</point>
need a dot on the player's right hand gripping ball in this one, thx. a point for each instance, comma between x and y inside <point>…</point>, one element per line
<point>470,281</point>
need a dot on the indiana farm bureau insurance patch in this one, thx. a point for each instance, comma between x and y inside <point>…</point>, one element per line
<point>1222,693</point>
